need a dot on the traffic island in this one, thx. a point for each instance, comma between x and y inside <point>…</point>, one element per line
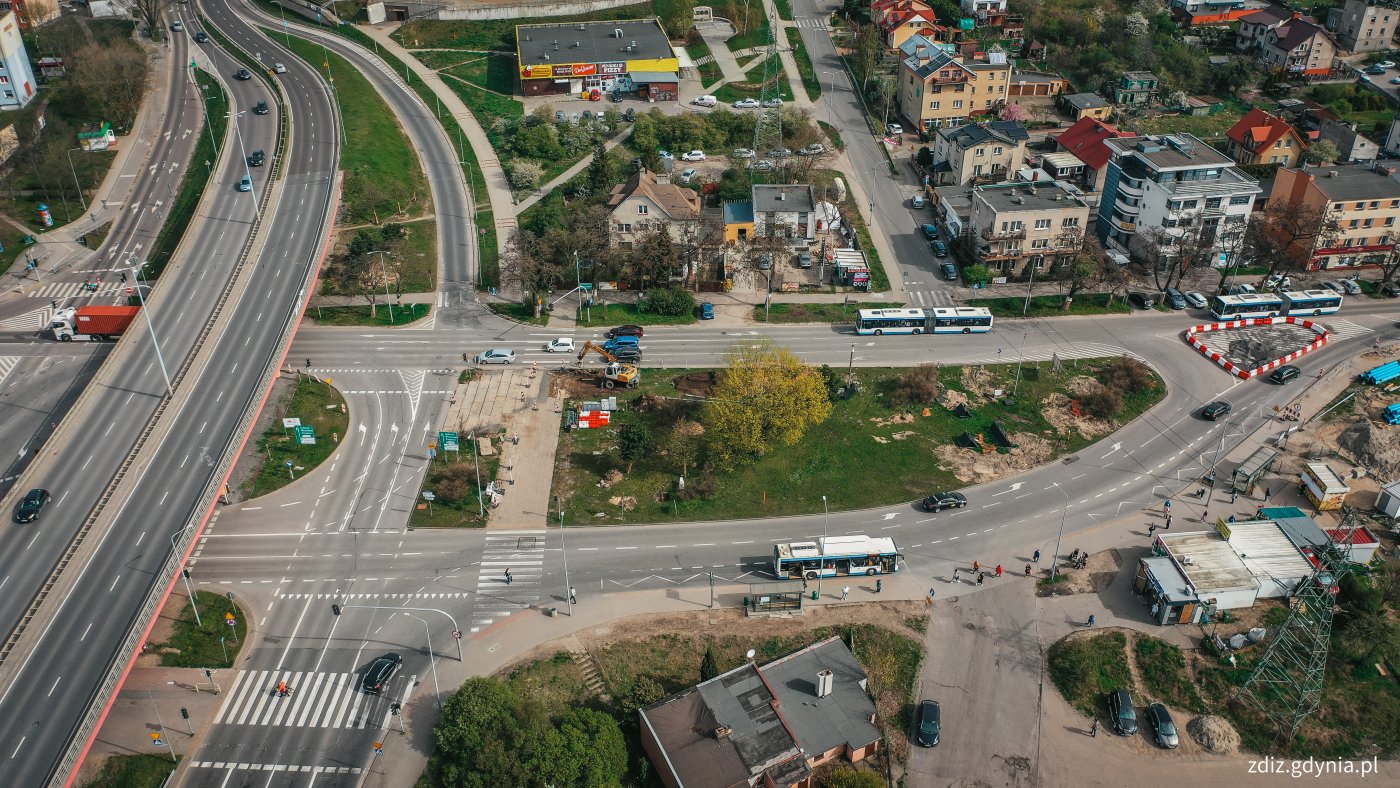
<point>301,430</point>
<point>1246,348</point>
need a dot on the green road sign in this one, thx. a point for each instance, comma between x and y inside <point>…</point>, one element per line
<point>449,441</point>
<point>306,435</point>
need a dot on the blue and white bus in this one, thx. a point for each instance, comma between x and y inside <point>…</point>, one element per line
<point>836,556</point>
<point>1239,307</point>
<point>891,321</point>
<point>960,320</point>
<point>1311,302</point>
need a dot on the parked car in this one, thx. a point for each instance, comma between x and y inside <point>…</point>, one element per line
<point>804,259</point>
<point>917,201</point>
<point>1142,300</point>
<point>779,153</point>
<point>1351,286</point>
<point>201,37</point>
<point>560,345</point>
<point>665,154</point>
<point>742,153</point>
<point>1284,374</point>
<point>765,261</point>
<point>630,115</point>
<point>29,507</point>
<point>279,68</point>
<point>815,149</point>
<point>1390,290</point>
<point>1120,707</point>
<point>894,129</point>
<point>763,165</point>
<point>1175,299</point>
<point>930,231</point>
<point>939,248</point>
<point>628,330</point>
<point>688,174</point>
<point>1334,286</point>
<point>950,272</point>
<point>1386,64</point>
<point>930,723</point>
<point>1216,410</point>
<point>1278,282</point>
<point>256,158</point>
<point>243,74</point>
<point>245,184</point>
<point>707,310</point>
<point>379,672</point>
<point>1375,71</point>
<point>1196,300</point>
<point>747,104</point>
<point>1239,289</point>
<point>1395,81</point>
<point>694,155</point>
<point>945,500</point>
<point>773,103</point>
<point>704,101</point>
<point>496,356</point>
<point>615,97</point>
<point>261,108</point>
<point>1163,729</point>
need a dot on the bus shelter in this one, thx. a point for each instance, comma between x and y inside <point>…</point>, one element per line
<point>766,599</point>
<point>1247,475</point>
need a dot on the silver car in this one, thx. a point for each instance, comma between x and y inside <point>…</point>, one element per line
<point>496,356</point>
<point>1351,286</point>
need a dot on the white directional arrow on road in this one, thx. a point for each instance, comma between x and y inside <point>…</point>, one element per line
<point>1112,451</point>
<point>890,516</point>
<point>1014,488</point>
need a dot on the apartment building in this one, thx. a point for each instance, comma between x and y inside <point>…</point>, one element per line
<point>1026,226</point>
<point>979,150</point>
<point>939,89</point>
<point>1173,182</point>
<point>1253,27</point>
<point>1264,138</point>
<point>1368,25</point>
<point>1361,206</point>
<point>17,82</point>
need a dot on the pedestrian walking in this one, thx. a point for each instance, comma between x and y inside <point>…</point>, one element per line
<point>955,574</point>
<point>1167,507</point>
<point>998,570</point>
<point>845,592</point>
<point>879,585</point>
<point>1267,493</point>
<point>804,583</point>
<point>1200,493</point>
<point>1028,570</point>
<point>1168,524</point>
<point>976,566</point>
<point>308,363</point>
<point>1233,495</point>
<point>1205,514</point>
<point>1151,530</point>
<point>931,594</point>
<point>1036,557</point>
<point>465,358</point>
<point>1094,728</point>
<point>516,439</point>
<point>573,598</point>
<point>1091,619</point>
<point>979,578</point>
<point>508,577</point>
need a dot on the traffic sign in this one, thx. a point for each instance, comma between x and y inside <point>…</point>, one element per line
<point>586,286</point>
<point>429,495</point>
<point>306,435</point>
<point>378,747</point>
<point>450,441</point>
<point>457,633</point>
<point>291,422</point>
<point>156,739</point>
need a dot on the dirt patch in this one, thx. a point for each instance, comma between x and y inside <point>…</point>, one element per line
<point>898,418</point>
<point>1215,734</point>
<point>1096,576</point>
<point>979,381</point>
<point>1031,451</point>
<point>1081,385</point>
<point>572,385</point>
<point>698,384</point>
<point>952,398</point>
<point>1058,411</point>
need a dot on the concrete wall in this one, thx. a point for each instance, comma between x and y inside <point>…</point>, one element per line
<point>527,11</point>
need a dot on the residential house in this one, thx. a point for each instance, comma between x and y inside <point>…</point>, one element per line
<point>738,221</point>
<point>1213,13</point>
<point>900,20</point>
<point>1020,227</point>
<point>1135,87</point>
<point>1253,27</point>
<point>1367,25</point>
<point>977,151</point>
<point>768,725</point>
<point>1299,47</point>
<point>1361,204</point>
<point>1263,138</point>
<point>1085,140</point>
<point>30,15</point>
<point>646,200</point>
<point>938,89</point>
<point>17,82</point>
<point>923,47</point>
<point>1353,145</point>
<point>983,10</point>
<point>1088,105</point>
<point>1173,182</point>
<point>785,211</point>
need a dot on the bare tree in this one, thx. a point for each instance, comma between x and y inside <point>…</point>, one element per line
<point>1085,268</point>
<point>152,12</point>
<point>110,80</point>
<point>529,269</point>
<point>1283,237</point>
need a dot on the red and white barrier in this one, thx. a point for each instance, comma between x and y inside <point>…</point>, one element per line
<point>1205,328</point>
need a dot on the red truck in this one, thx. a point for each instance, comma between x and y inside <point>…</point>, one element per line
<point>96,323</point>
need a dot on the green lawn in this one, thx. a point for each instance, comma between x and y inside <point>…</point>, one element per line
<point>318,405</point>
<point>1164,674</point>
<point>198,644</point>
<point>752,86</point>
<point>499,34</point>
<point>196,178</point>
<point>710,72</point>
<point>1053,305</point>
<point>1086,669</point>
<point>452,479</point>
<point>619,314</point>
<point>491,70</point>
<point>810,83</point>
<point>783,482</point>
<point>133,771</point>
<point>755,36</point>
<point>383,178</point>
<point>520,313</point>
<point>1203,126</point>
<point>384,315</point>
<point>833,134</point>
<point>784,9</point>
<point>818,313</point>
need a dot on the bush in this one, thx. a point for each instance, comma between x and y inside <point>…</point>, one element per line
<point>1129,375</point>
<point>1102,402</point>
<point>918,386</point>
<point>458,482</point>
<point>672,301</point>
<point>524,174</point>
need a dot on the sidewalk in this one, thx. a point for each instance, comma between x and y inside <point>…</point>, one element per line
<point>794,77</point>
<point>715,34</point>
<point>564,176</point>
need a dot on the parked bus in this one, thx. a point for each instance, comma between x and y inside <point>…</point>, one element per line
<point>1311,302</point>
<point>961,320</point>
<point>836,556</point>
<point>1239,307</point>
<point>891,321</point>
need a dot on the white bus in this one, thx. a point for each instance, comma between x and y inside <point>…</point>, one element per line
<point>836,556</point>
<point>1239,307</point>
<point>891,321</point>
<point>961,320</point>
<point>1311,302</point>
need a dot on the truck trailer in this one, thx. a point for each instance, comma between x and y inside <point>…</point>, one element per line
<point>95,323</point>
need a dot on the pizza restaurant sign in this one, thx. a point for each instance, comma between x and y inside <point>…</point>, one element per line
<point>567,70</point>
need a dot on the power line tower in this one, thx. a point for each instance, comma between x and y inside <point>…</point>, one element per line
<point>768,128</point>
<point>1286,683</point>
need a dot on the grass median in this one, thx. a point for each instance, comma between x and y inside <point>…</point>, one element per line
<point>212,134</point>
<point>1054,305</point>
<point>319,406</point>
<point>619,314</point>
<point>383,315</point>
<point>209,642</point>
<point>133,771</point>
<point>804,64</point>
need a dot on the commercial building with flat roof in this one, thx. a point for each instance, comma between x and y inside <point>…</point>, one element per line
<point>583,57</point>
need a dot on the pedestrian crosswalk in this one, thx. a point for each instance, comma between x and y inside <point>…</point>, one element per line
<point>29,321</point>
<point>7,365</point>
<point>497,596</point>
<point>318,700</point>
<point>56,290</point>
<point>818,23</point>
<point>930,298</point>
<point>1345,329</point>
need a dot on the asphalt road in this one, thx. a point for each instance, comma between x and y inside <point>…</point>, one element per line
<point>45,704</point>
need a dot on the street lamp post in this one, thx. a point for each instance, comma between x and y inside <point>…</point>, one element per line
<point>141,296</point>
<point>568,598</point>
<point>821,559</point>
<point>74,170</point>
<point>432,659</point>
<point>385,269</point>
<point>1055,559</point>
<point>238,131</point>
<point>185,573</point>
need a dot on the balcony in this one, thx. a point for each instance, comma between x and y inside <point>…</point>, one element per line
<point>1126,208</point>
<point>1003,235</point>
<point>950,77</point>
<point>1127,227</point>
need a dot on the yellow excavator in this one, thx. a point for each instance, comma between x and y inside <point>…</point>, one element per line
<point>615,373</point>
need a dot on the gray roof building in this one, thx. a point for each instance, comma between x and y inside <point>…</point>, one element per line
<point>592,42</point>
<point>1008,131</point>
<point>1347,182</point>
<point>1083,101</point>
<point>796,197</point>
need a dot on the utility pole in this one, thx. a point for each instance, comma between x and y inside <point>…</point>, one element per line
<point>568,598</point>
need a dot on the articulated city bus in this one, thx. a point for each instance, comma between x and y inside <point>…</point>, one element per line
<point>836,556</point>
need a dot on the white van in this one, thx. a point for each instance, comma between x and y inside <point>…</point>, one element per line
<point>704,101</point>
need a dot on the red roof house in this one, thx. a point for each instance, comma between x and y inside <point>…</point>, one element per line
<point>1085,140</point>
<point>1262,138</point>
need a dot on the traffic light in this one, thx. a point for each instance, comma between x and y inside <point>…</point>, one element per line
<point>184,713</point>
<point>335,610</point>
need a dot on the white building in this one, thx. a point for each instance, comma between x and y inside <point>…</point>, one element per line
<point>785,211</point>
<point>981,9</point>
<point>17,82</point>
<point>1174,182</point>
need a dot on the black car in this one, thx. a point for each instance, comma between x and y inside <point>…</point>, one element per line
<point>256,158</point>
<point>624,331</point>
<point>1163,729</point>
<point>1284,374</point>
<point>1142,300</point>
<point>201,37</point>
<point>1216,410</point>
<point>261,108</point>
<point>27,510</point>
<point>1120,708</point>
<point>930,724</point>
<point>1390,290</point>
<point>243,74</point>
<point>629,115</point>
<point>616,96</point>
<point>945,500</point>
<point>1175,299</point>
<point>950,272</point>
<point>379,672</point>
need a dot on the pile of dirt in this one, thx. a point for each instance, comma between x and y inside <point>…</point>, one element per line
<point>1097,575</point>
<point>627,502</point>
<point>1214,733</point>
<point>1056,410</point>
<point>611,478</point>
<point>952,398</point>
<point>697,384</point>
<point>1081,385</point>
<point>972,468</point>
<point>978,381</point>
<point>1370,442</point>
<point>898,418</point>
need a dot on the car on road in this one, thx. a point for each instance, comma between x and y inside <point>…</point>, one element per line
<point>201,37</point>
<point>688,175</point>
<point>1142,300</point>
<point>1175,299</point>
<point>930,723</point>
<point>1120,708</point>
<point>917,201</point>
<point>177,26</point>
<point>256,158</point>
<point>1163,729</point>
<point>1284,374</point>
<point>1239,289</point>
<point>1351,286</point>
<point>704,101</point>
<point>815,149</point>
<point>1376,70</point>
<point>245,184</point>
<point>379,672</point>
<point>496,356</point>
<point>1216,410</point>
<point>694,155</point>
<point>742,153</point>
<point>665,154</point>
<point>930,231</point>
<point>1194,299</point>
<point>939,248</point>
<point>1390,290</point>
<point>243,74</point>
<point>773,103</point>
<point>261,108</point>
<point>945,500</point>
<point>1386,64</point>
<point>763,165</point>
<point>950,272</point>
<point>29,507</point>
<point>560,345</point>
<point>628,330</point>
<point>747,104</point>
<point>279,68</point>
<point>894,129</point>
<point>1335,286</point>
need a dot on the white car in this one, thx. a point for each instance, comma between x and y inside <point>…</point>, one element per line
<point>773,102</point>
<point>496,356</point>
<point>1351,286</point>
<point>1386,64</point>
<point>1278,282</point>
<point>747,104</point>
<point>763,165</point>
<point>1335,286</point>
<point>177,26</point>
<point>688,175</point>
<point>779,153</point>
<point>560,345</point>
<point>1195,299</point>
<point>894,129</point>
<point>742,153</point>
<point>704,101</point>
<point>695,155</point>
<point>815,149</point>
<point>665,154</point>
<point>279,68</point>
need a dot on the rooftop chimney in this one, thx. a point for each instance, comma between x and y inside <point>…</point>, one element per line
<point>824,681</point>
